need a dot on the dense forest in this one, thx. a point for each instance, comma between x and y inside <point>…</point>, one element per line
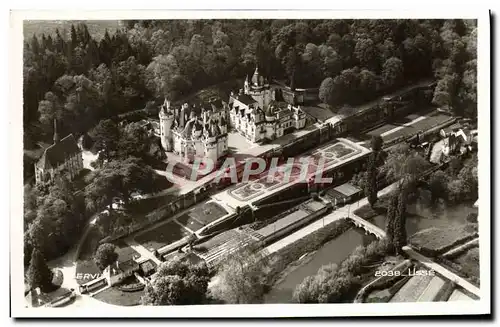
<point>80,79</point>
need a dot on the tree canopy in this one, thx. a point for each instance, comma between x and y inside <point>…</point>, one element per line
<point>105,255</point>
<point>80,78</point>
<point>240,279</point>
<point>39,274</point>
<point>178,283</point>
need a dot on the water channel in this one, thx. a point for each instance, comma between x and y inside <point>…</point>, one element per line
<point>421,216</point>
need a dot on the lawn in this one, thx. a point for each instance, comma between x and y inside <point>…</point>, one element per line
<point>208,212</point>
<point>114,296</point>
<point>188,221</point>
<point>161,235</point>
<point>367,212</point>
<point>435,241</point>
<point>86,271</point>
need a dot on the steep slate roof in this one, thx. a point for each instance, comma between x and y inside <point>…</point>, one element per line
<point>58,153</point>
<point>246,99</point>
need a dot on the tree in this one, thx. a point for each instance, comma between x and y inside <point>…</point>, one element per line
<point>178,283</point>
<point>368,83</point>
<point>366,53</point>
<point>327,91</point>
<point>392,72</point>
<point>120,179</point>
<point>106,137</point>
<point>50,108</point>
<point>105,255</point>
<point>59,219</point>
<point>39,274</point>
<point>404,165</point>
<point>437,185</point>
<point>400,238</point>
<point>240,279</point>
<point>377,143</point>
<point>371,180</point>
<point>390,222</point>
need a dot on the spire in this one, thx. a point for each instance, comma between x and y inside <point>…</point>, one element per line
<point>56,135</point>
<point>255,77</point>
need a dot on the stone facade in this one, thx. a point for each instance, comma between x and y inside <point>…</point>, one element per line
<point>191,131</point>
<point>255,114</point>
<point>62,156</point>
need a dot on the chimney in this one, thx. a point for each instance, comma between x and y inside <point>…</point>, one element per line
<point>56,135</point>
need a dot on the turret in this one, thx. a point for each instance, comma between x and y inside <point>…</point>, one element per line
<point>56,135</point>
<point>166,124</point>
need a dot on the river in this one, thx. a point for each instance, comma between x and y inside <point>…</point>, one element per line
<point>421,216</point>
<point>334,251</point>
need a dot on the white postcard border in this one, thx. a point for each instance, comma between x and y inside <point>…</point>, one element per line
<point>263,310</point>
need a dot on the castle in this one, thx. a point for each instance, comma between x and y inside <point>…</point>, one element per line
<point>202,131</point>
<point>191,131</point>
<point>255,114</point>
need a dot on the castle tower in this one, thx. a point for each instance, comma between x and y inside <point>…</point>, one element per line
<point>166,120</point>
<point>247,85</point>
<point>259,89</point>
<point>56,135</point>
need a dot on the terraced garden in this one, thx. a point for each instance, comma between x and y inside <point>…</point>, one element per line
<point>436,241</point>
<point>161,235</point>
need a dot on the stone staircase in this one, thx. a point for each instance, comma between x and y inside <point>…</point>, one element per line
<point>215,254</point>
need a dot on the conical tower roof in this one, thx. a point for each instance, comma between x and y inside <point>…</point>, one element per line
<point>256,76</point>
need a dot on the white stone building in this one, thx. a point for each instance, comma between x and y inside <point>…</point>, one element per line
<point>191,131</point>
<point>255,114</point>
